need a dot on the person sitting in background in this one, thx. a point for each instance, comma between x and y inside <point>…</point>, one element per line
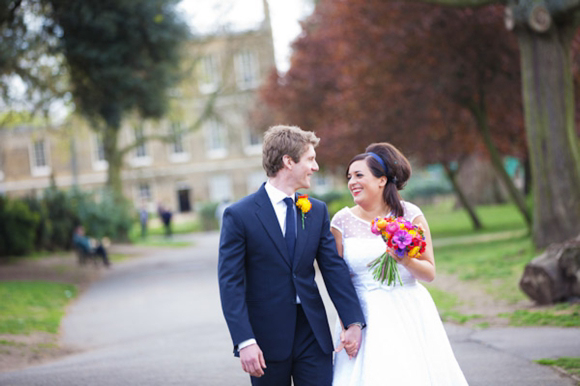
<point>83,243</point>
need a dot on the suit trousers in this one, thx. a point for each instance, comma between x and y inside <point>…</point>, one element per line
<point>307,366</point>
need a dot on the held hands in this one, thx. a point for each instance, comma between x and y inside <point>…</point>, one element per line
<point>252,360</point>
<point>350,340</point>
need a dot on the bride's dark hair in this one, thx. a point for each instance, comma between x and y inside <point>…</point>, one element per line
<point>396,168</point>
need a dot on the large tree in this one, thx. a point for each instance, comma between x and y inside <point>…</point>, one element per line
<point>545,31</point>
<point>374,71</point>
<point>32,74</point>
<point>117,58</point>
<point>122,56</point>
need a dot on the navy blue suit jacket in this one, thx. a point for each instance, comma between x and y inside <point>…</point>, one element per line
<point>258,285</point>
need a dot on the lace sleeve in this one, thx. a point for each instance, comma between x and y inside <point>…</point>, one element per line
<point>412,211</point>
<point>338,220</point>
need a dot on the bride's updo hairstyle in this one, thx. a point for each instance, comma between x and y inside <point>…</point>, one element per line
<point>394,166</point>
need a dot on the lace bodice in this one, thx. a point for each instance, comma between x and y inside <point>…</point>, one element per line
<point>361,246</point>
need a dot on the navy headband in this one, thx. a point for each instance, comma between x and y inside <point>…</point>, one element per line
<point>380,160</point>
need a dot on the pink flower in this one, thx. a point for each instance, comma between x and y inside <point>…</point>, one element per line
<point>374,229</point>
<point>402,239</point>
<point>392,227</point>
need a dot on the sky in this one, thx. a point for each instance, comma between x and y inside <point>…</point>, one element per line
<point>205,15</point>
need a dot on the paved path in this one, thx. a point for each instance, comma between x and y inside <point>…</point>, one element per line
<point>157,321</point>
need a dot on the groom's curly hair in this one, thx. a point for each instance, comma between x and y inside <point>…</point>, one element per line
<point>284,140</point>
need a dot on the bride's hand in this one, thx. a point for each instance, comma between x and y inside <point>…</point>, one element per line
<point>404,260</point>
<point>350,348</point>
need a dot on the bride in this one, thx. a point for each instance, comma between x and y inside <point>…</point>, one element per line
<point>404,342</point>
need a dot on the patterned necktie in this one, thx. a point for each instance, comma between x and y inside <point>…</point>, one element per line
<point>290,235</point>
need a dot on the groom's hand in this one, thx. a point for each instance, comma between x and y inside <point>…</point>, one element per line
<point>352,340</point>
<point>252,360</point>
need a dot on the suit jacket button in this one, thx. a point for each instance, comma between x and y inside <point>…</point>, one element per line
<point>294,275</point>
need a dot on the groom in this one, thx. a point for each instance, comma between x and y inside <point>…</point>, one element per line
<point>267,250</point>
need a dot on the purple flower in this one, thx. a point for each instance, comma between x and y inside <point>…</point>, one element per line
<point>400,252</point>
<point>402,239</point>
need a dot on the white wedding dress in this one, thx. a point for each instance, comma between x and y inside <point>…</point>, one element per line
<point>404,342</point>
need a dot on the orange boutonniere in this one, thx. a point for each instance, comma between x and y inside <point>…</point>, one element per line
<point>304,204</point>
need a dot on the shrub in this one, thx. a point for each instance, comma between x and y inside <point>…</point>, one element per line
<point>207,213</point>
<point>102,215</point>
<point>62,218</point>
<point>17,227</point>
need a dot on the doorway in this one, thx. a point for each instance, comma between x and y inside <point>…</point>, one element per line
<point>183,198</point>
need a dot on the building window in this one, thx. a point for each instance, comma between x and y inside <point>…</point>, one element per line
<point>247,70</point>
<point>253,143</point>
<point>39,154</point>
<point>255,180</point>
<point>39,158</point>
<point>177,134</point>
<point>141,156</point>
<point>99,161</point>
<point>321,183</point>
<point>220,188</point>
<point>140,150</point>
<point>177,152</point>
<point>144,192</point>
<point>208,74</point>
<point>216,138</point>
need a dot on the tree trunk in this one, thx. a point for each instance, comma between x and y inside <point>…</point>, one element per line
<point>527,176</point>
<point>452,175</point>
<point>483,128</point>
<point>552,139</point>
<point>115,160</point>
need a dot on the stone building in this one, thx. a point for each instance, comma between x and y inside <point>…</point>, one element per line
<point>218,159</point>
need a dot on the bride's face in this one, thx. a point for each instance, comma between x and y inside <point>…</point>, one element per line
<point>366,189</point>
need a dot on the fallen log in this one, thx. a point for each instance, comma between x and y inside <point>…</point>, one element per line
<point>553,276</point>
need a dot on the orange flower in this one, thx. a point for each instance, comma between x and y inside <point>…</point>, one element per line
<point>304,203</point>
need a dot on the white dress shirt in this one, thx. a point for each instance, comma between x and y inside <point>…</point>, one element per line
<point>277,199</point>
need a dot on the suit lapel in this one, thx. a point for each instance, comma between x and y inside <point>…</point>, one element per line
<point>267,217</point>
<point>301,234</point>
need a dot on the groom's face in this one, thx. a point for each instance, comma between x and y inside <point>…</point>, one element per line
<point>304,168</point>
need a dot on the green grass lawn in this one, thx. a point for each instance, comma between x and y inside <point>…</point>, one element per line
<point>161,242</point>
<point>562,315</point>
<point>498,265</point>
<point>184,227</point>
<point>29,306</point>
<point>570,364</point>
<point>444,221</point>
<point>446,304</point>
<point>495,265</point>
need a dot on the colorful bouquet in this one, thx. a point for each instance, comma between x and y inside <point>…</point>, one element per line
<point>403,238</point>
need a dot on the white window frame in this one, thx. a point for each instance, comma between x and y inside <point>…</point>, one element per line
<point>322,183</point>
<point>98,164</point>
<point>214,129</point>
<point>209,73</point>
<point>220,187</point>
<point>247,69</point>
<point>183,155</point>
<point>254,180</point>
<point>138,188</point>
<point>140,160</point>
<point>250,148</point>
<point>42,170</point>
